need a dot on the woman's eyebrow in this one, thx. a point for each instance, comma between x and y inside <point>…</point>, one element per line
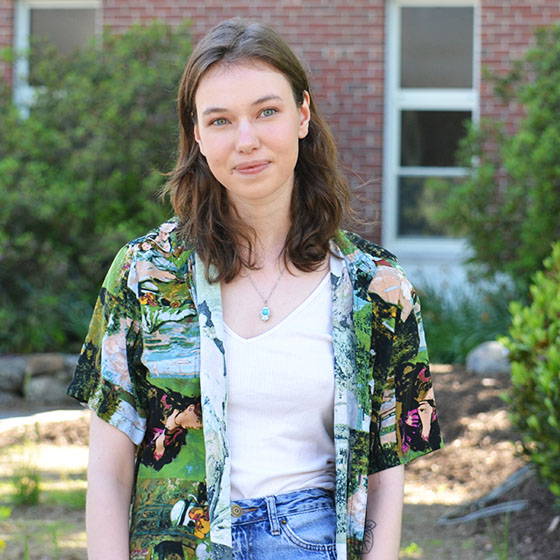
<point>211,110</point>
<point>263,99</point>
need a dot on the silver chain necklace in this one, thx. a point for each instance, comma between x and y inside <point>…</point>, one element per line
<point>265,310</point>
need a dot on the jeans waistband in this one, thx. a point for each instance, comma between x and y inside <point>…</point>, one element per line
<point>273,507</point>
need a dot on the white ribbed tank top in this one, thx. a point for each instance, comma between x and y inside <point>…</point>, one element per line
<point>281,402</point>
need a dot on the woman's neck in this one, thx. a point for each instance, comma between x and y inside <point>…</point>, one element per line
<point>271,225</point>
<point>269,245</point>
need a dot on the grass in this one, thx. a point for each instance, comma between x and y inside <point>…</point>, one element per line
<point>501,542</point>
<point>26,485</point>
<point>424,539</point>
<point>42,489</point>
<point>25,479</point>
<point>30,537</point>
<point>5,513</point>
<point>411,550</point>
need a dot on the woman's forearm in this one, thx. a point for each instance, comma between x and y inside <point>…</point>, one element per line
<point>110,479</point>
<point>382,534</point>
<point>107,512</point>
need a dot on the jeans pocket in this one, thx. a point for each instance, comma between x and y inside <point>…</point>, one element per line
<point>311,530</point>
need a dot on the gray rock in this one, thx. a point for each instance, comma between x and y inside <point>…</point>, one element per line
<point>6,399</point>
<point>70,362</point>
<point>12,373</point>
<point>489,358</point>
<point>43,364</point>
<point>46,389</point>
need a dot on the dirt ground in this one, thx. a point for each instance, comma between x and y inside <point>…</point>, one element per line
<point>481,452</point>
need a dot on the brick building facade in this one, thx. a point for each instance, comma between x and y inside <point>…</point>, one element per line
<point>362,56</point>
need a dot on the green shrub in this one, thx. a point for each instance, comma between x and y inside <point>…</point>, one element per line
<point>508,207</point>
<point>80,177</point>
<point>534,345</point>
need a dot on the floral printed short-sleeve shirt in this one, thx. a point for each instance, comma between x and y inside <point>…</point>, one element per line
<point>153,366</point>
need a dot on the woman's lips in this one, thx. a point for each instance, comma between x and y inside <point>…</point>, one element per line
<point>252,167</point>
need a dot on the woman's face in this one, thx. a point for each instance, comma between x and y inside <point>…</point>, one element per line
<point>248,127</point>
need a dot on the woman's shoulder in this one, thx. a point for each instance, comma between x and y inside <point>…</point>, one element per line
<point>159,248</point>
<point>163,242</point>
<point>379,269</point>
<point>353,245</point>
<point>162,238</point>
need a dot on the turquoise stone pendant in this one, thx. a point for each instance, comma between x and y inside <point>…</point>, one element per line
<point>265,313</point>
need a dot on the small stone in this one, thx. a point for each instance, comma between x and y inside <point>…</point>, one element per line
<point>488,359</point>
<point>553,524</point>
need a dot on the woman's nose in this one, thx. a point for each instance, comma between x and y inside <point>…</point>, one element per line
<point>247,138</point>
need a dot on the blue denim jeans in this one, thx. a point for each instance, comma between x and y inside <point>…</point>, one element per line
<point>292,526</point>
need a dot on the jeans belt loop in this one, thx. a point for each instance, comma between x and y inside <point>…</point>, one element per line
<point>272,515</point>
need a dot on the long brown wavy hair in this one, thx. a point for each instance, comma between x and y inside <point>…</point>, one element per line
<point>320,196</point>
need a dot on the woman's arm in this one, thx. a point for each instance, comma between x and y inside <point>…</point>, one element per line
<point>382,534</point>
<point>110,479</point>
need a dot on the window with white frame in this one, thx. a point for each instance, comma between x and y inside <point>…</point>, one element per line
<point>431,95</point>
<point>67,24</point>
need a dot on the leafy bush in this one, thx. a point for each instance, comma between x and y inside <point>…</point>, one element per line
<point>80,177</point>
<point>457,320</point>
<point>534,345</point>
<point>509,205</point>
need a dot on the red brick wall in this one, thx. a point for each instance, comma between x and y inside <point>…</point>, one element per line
<point>507,31</point>
<point>6,33</point>
<point>341,42</point>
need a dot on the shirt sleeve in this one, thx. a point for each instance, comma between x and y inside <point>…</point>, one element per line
<point>407,425</point>
<point>108,376</point>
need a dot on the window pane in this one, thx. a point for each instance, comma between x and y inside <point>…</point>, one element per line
<point>437,47</point>
<point>418,206</point>
<point>431,138</point>
<point>66,28</point>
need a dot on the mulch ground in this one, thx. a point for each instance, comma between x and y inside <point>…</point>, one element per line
<point>481,451</point>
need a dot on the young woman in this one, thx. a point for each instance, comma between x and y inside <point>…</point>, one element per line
<point>258,376</point>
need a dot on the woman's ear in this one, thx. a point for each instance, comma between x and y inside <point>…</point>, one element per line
<point>198,139</point>
<point>305,113</point>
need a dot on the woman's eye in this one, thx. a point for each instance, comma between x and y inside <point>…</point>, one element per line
<point>268,112</point>
<point>219,122</point>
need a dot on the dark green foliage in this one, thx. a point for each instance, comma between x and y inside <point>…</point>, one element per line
<point>81,176</point>
<point>509,205</point>
<point>456,320</point>
<point>534,345</point>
